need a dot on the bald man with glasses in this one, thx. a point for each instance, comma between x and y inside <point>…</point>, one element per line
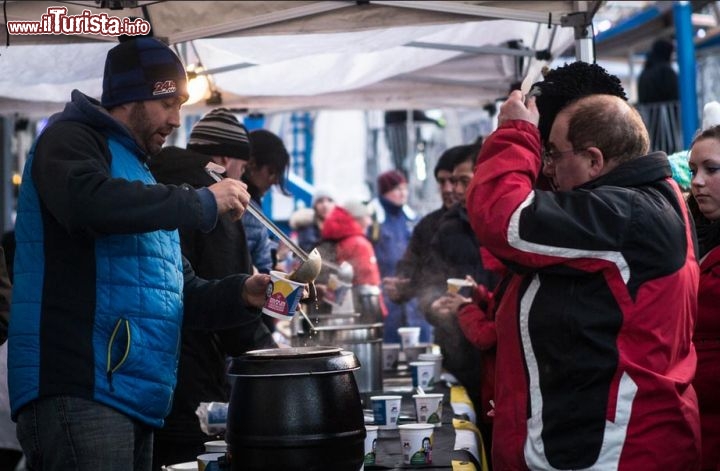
<point>594,358</point>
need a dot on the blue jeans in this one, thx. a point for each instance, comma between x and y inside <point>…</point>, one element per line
<point>70,433</point>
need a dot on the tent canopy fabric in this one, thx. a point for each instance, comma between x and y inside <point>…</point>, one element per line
<point>307,54</point>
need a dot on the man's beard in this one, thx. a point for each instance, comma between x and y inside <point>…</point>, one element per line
<point>142,130</point>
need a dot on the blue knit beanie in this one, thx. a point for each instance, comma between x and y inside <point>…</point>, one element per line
<point>141,69</point>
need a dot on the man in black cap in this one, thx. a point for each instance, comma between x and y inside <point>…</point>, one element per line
<point>219,138</point>
<point>100,282</point>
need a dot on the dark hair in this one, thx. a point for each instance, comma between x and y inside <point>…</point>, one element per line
<point>610,124</point>
<point>712,132</point>
<point>267,149</point>
<point>661,51</point>
<point>454,156</point>
<point>564,85</point>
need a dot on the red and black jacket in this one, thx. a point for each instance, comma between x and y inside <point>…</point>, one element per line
<point>595,358</point>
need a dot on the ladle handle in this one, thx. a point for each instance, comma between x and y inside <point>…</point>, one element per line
<point>257,212</point>
<point>260,216</point>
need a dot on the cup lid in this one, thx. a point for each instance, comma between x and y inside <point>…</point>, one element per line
<point>416,426</point>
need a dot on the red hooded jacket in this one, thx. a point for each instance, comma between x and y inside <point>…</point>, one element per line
<point>707,343</point>
<point>352,246</point>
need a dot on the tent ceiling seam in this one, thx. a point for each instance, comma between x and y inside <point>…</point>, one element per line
<point>474,10</point>
<point>260,20</point>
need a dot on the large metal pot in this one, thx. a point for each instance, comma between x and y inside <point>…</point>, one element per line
<point>295,409</point>
<point>367,303</point>
<point>364,340</point>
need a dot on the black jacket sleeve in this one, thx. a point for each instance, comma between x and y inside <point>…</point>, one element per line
<point>71,171</point>
<point>215,304</point>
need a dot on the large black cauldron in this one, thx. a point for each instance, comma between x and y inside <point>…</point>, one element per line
<point>295,409</point>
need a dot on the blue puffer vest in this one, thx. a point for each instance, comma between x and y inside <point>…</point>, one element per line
<point>137,318</point>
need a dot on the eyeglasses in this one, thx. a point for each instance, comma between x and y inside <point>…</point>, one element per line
<point>551,156</point>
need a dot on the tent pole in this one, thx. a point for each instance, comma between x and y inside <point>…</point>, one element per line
<point>682,15</point>
<point>584,39</point>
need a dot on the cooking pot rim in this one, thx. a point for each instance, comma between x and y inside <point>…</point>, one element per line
<point>377,325</point>
<point>292,352</point>
<point>314,360</point>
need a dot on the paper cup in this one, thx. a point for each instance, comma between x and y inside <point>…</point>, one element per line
<point>437,359</point>
<point>209,461</point>
<point>370,443</point>
<point>409,336</point>
<point>459,285</point>
<point>428,408</point>
<point>413,353</point>
<point>386,410</point>
<point>216,446</point>
<point>391,353</point>
<point>283,296</point>
<point>422,374</point>
<point>416,443</point>
<point>187,466</point>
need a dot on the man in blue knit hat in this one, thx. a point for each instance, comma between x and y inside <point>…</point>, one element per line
<point>100,282</point>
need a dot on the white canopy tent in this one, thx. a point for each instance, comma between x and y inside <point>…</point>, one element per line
<point>307,54</point>
<point>304,55</point>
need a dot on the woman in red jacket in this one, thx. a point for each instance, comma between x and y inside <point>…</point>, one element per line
<point>705,208</point>
<point>346,226</point>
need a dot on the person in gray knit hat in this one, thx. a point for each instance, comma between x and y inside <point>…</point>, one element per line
<point>220,138</point>
<point>101,290</point>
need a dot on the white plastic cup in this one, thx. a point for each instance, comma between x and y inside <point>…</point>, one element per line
<point>416,443</point>
<point>428,408</point>
<point>437,359</point>
<point>216,446</point>
<point>187,466</point>
<point>422,374</point>
<point>283,296</point>
<point>209,461</point>
<point>459,285</point>
<point>413,353</point>
<point>370,443</point>
<point>386,411</point>
<point>409,336</point>
<point>391,354</point>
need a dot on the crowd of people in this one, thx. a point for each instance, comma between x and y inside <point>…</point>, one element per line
<point>588,338</point>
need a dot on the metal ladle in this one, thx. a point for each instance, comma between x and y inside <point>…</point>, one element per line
<point>311,264</point>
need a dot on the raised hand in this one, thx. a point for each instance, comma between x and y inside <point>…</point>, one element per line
<point>231,196</point>
<point>516,108</point>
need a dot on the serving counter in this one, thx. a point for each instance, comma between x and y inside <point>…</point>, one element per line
<point>456,445</point>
